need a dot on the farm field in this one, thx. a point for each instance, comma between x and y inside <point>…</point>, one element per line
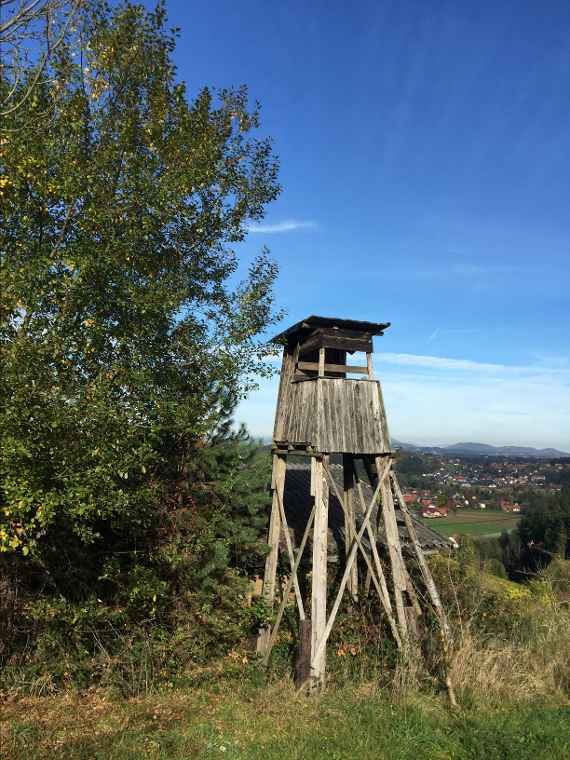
<point>473,522</point>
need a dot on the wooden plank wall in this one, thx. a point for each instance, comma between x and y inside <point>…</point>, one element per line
<point>336,415</point>
<point>290,355</point>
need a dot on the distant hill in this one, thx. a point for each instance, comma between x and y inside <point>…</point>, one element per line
<point>484,449</point>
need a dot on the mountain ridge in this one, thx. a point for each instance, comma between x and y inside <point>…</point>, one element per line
<point>484,449</point>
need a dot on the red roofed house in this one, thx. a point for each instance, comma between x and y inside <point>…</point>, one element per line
<point>509,506</point>
<point>433,511</point>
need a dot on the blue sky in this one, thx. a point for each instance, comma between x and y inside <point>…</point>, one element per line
<point>425,152</point>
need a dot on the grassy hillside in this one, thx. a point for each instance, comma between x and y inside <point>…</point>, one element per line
<point>243,721</point>
<point>510,666</point>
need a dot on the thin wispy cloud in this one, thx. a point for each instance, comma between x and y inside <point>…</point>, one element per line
<point>467,365</point>
<point>475,270</point>
<point>441,331</point>
<point>438,399</point>
<point>289,225</point>
<point>490,274</point>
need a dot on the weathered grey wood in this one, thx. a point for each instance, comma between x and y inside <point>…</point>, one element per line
<point>351,558</point>
<point>319,575</point>
<point>301,330</point>
<point>321,415</point>
<point>290,357</point>
<point>429,583</point>
<point>424,567</point>
<point>336,414</point>
<point>321,365</point>
<point>346,340</point>
<point>376,577</point>
<point>335,356</point>
<point>349,520</point>
<point>288,585</point>
<point>381,577</point>
<point>394,552</point>
<point>303,664</point>
<point>284,388</point>
<point>383,419</point>
<point>270,574</point>
<point>313,477</point>
<point>343,368</point>
<point>279,491</point>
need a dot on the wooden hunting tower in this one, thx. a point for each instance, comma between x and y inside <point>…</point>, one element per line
<point>325,407</point>
<point>319,404</point>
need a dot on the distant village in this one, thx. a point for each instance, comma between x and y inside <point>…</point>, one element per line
<point>452,484</point>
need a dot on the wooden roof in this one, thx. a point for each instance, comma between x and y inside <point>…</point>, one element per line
<point>305,327</point>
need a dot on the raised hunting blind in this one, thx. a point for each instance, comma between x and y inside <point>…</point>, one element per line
<point>328,406</point>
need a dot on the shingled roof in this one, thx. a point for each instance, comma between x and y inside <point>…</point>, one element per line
<point>298,504</point>
<point>306,326</point>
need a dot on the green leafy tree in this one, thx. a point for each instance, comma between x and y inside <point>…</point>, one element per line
<point>546,523</point>
<point>124,329</point>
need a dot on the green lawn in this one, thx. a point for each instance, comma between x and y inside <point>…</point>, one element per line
<point>473,522</point>
<point>241,723</point>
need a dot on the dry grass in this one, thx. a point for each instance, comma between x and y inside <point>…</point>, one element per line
<point>499,668</point>
<point>512,679</point>
<point>239,721</point>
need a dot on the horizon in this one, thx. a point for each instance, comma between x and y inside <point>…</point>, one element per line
<point>522,397</point>
<point>267,439</point>
<point>425,156</point>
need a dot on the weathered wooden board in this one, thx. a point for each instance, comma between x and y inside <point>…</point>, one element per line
<point>334,415</point>
<point>341,368</point>
<point>346,340</point>
<point>319,573</point>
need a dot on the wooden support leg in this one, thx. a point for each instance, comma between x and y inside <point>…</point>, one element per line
<point>399,574</point>
<point>289,585</point>
<point>319,573</point>
<point>303,664</point>
<point>270,576</point>
<point>279,490</point>
<point>323,641</point>
<point>349,522</point>
<point>376,574</point>
<point>446,634</point>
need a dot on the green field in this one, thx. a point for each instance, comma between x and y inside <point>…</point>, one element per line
<point>273,723</point>
<point>473,522</point>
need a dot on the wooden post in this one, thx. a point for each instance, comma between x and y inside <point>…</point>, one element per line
<point>446,635</point>
<point>376,577</point>
<point>385,594</point>
<point>303,664</point>
<point>285,529</point>
<point>289,586</point>
<point>394,549</point>
<point>323,641</point>
<point>369,366</point>
<point>319,574</point>
<point>349,521</point>
<point>322,362</point>
<point>270,576</point>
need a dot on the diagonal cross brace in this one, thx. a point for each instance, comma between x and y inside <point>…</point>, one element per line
<point>294,569</point>
<point>285,528</point>
<point>381,576</point>
<point>351,558</point>
<point>377,577</point>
